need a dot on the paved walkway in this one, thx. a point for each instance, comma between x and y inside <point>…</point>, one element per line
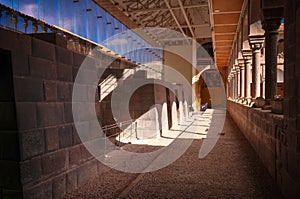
<point>231,170</point>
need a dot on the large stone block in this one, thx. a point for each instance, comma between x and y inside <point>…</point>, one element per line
<point>78,59</point>
<point>64,91</point>
<point>51,138</point>
<point>20,63</point>
<point>75,155</point>
<point>49,114</point>
<point>43,49</point>
<point>59,187</point>
<point>76,138</point>
<point>68,113</point>
<point>28,89</point>
<point>64,56</point>
<point>42,68</point>
<point>65,136</point>
<point>32,143</point>
<point>53,38</point>
<point>26,115</point>
<point>31,170</point>
<point>65,72</point>
<point>50,90</point>
<point>54,162</point>
<point>14,41</point>
<point>39,191</point>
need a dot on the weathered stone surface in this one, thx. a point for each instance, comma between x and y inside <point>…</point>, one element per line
<point>64,91</point>
<point>39,191</point>
<point>65,136</point>
<point>65,72</point>
<point>49,114</point>
<point>42,68</point>
<point>20,64</point>
<point>59,187</point>
<point>28,89</point>
<point>24,109</point>
<point>50,90</point>
<point>32,143</point>
<point>64,56</point>
<point>12,41</point>
<point>31,170</point>
<point>43,49</point>
<point>53,162</point>
<point>68,113</point>
<point>52,138</point>
<point>75,155</point>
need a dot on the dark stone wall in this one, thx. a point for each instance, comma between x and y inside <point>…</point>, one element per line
<point>291,172</point>
<point>41,155</point>
<point>265,132</point>
<point>10,184</point>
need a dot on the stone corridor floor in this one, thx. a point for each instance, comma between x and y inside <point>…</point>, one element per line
<point>231,170</point>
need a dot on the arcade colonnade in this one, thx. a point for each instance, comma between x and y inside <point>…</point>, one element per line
<point>252,71</point>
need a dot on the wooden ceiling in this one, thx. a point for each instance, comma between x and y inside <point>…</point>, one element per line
<point>217,19</point>
<point>224,19</point>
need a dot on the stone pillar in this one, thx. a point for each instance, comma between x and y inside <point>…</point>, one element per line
<point>238,81</point>
<point>242,77</point>
<point>247,55</point>
<point>263,80</point>
<point>256,44</point>
<point>271,27</point>
<point>233,84</point>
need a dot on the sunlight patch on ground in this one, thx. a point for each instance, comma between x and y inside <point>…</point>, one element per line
<point>195,127</point>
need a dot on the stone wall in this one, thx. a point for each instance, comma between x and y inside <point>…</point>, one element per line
<point>10,185</point>
<point>267,133</point>
<point>291,183</point>
<point>41,154</point>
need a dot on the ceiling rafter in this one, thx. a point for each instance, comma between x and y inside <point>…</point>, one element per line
<point>166,8</point>
<point>174,16</point>
<point>186,18</point>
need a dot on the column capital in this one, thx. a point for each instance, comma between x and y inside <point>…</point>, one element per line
<point>241,62</point>
<point>256,42</point>
<point>271,25</point>
<point>247,55</point>
<point>272,16</point>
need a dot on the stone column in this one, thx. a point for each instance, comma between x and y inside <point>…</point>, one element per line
<point>271,27</point>
<point>238,81</point>
<point>233,84</point>
<point>256,43</point>
<point>242,76</point>
<point>247,55</point>
<point>263,80</point>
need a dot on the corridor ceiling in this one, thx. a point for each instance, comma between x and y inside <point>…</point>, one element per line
<point>215,20</point>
